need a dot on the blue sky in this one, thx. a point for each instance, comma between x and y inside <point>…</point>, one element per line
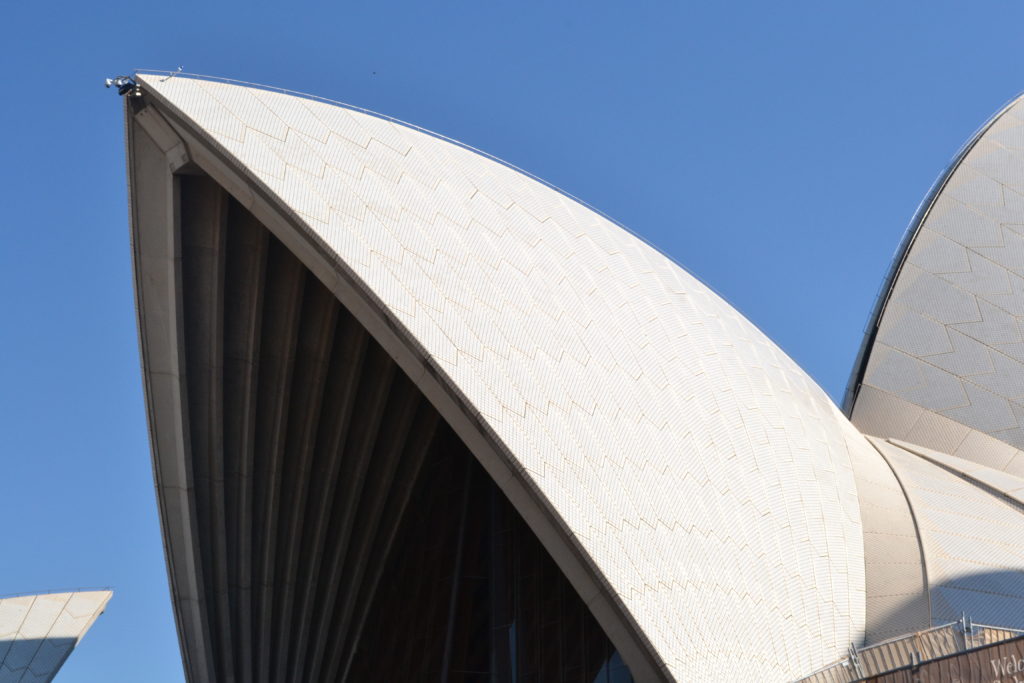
<point>776,150</point>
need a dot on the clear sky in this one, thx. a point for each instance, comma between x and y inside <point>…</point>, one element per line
<point>776,150</point>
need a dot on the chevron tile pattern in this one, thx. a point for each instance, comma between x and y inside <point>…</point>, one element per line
<point>665,431</point>
<point>879,412</point>
<point>950,339</point>
<point>38,632</point>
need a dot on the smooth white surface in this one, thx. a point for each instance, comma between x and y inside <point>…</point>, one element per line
<point>971,538</point>
<point>895,582</point>
<point>698,468</point>
<point>38,631</point>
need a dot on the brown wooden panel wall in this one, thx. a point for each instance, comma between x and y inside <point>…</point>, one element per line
<point>999,663</point>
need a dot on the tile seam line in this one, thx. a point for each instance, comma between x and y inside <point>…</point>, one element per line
<point>47,637</point>
<point>440,136</point>
<point>902,253</point>
<point>392,119</point>
<point>17,633</point>
<point>33,594</point>
<point>1000,495</point>
<point>92,620</point>
<point>606,589</point>
<point>917,526</point>
<point>35,653</point>
<point>962,378</point>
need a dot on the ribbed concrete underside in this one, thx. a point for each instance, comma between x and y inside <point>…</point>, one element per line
<point>306,444</point>
<point>650,436</point>
<point>300,425</point>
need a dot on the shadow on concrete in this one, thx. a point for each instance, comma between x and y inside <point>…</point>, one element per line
<point>34,660</point>
<point>989,598</point>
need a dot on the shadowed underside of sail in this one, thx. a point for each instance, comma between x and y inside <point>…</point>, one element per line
<point>314,282</point>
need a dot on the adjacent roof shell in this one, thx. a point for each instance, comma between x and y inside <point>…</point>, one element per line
<point>969,518</point>
<point>943,362</point>
<point>693,483</point>
<point>38,632</point>
<point>940,378</point>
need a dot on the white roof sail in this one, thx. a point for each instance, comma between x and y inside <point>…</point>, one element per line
<point>945,367</point>
<point>38,632</point>
<point>705,479</point>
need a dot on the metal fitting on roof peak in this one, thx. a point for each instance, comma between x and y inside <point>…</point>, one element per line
<point>125,85</point>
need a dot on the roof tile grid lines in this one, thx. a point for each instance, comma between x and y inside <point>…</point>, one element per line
<point>950,337</point>
<point>507,237</point>
<point>971,537</point>
<point>38,632</point>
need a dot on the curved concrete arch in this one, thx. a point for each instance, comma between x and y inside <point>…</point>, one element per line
<point>896,573</point>
<point>970,520</point>
<point>943,360</point>
<point>676,464</point>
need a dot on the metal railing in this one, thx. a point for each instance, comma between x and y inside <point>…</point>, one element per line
<point>913,648</point>
<point>52,591</point>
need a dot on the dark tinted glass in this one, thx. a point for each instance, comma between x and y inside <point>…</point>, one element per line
<point>470,595</point>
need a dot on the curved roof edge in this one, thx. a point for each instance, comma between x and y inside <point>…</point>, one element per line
<point>896,571</point>
<point>199,145</point>
<point>39,631</point>
<point>900,257</point>
<point>168,74</point>
<point>969,519</point>
<point>420,129</point>
<point>998,483</point>
<point>590,580</point>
